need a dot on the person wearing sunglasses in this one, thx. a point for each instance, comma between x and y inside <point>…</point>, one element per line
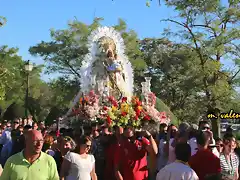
<point>229,161</point>
<point>79,164</point>
<point>15,124</point>
<point>219,144</point>
<point>204,125</point>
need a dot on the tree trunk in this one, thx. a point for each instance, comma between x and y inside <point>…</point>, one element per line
<point>215,122</point>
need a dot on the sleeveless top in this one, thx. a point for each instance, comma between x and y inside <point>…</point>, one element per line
<point>228,168</point>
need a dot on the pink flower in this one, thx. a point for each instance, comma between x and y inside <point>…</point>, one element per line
<point>91,93</point>
<point>163,115</point>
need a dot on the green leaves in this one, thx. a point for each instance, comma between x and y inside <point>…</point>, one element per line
<point>176,75</point>
<point>63,91</point>
<point>14,83</point>
<point>210,28</point>
<point>3,21</point>
<point>147,3</point>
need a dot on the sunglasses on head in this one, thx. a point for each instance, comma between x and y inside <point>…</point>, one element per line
<point>67,138</point>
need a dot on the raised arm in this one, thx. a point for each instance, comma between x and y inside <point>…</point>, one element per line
<point>152,146</point>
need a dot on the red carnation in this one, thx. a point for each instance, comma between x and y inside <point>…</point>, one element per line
<point>136,117</point>
<point>111,98</point>
<point>114,103</point>
<point>147,118</point>
<point>124,113</point>
<point>109,120</point>
<point>105,108</point>
<point>138,112</point>
<point>124,99</point>
<point>138,103</point>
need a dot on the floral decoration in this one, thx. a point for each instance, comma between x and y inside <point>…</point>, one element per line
<point>121,113</point>
<point>88,106</point>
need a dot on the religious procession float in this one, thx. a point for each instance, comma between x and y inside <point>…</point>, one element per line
<point>107,86</point>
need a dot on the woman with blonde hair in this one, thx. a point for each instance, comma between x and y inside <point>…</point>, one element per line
<point>79,165</point>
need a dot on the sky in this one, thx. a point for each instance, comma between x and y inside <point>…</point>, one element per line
<point>29,21</point>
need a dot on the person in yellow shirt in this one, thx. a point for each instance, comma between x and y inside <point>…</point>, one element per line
<point>31,163</point>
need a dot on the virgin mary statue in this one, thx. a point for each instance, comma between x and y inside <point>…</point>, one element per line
<point>106,69</point>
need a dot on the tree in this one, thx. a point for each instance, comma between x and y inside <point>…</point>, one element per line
<point>54,113</point>
<point>13,82</point>
<point>176,76</point>
<point>14,111</point>
<point>11,69</point>
<point>209,28</point>
<point>63,91</point>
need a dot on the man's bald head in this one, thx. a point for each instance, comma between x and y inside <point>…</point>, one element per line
<point>32,134</point>
<point>34,141</point>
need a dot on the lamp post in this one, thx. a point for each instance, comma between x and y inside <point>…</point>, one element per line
<point>28,68</point>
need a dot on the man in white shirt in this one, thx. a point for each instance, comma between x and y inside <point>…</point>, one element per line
<point>179,170</point>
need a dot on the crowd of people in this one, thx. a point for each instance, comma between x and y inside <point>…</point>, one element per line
<point>30,151</point>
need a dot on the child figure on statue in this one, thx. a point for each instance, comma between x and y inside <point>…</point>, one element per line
<point>115,65</point>
<point>115,68</point>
